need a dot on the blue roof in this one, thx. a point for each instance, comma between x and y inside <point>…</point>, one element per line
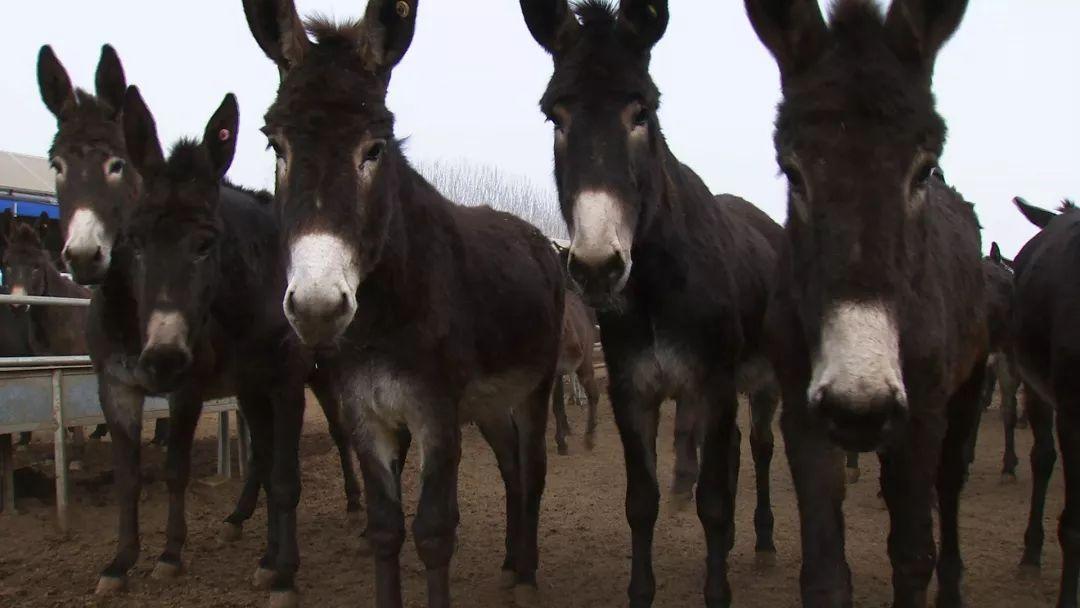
<point>33,209</point>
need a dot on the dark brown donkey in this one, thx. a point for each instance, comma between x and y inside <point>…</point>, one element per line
<point>576,358</point>
<point>97,191</point>
<point>1046,342</point>
<point>435,314</point>
<point>680,279</point>
<point>878,325</point>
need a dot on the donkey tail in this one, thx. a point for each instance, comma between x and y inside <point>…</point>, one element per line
<point>1035,215</point>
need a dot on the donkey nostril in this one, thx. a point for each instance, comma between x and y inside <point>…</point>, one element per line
<point>343,305</point>
<point>97,255</point>
<point>290,303</point>
<point>578,271</point>
<point>614,268</point>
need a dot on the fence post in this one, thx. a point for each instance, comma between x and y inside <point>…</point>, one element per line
<point>60,454</point>
<point>7,475</point>
<point>224,463</point>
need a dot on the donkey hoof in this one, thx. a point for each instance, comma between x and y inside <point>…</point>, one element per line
<point>682,499</point>
<point>354,518</point>
<point>110,585</point>
<point>164,571</point>
<point>231,532</point>
<point>563,450</point>
<point>284,599</point>
<point>364,547</point>
<point>263,578</point>
<point>507,579</point>
<point>852,475</point>
<point>1030,569</point>
<point>1008,478</point>
<point>526,595</point>
<point>590,441</point>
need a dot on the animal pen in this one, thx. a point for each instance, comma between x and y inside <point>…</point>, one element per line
<point>53,393</point>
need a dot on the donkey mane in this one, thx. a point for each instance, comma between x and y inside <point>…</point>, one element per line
<point>1067,206</point>
<point>330,33</point>
<point>88,121</point>
<point>25,239</point>
<point>596,13</point>
<point>852,16</point>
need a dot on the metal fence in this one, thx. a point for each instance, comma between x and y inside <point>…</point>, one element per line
<point>52,393</point>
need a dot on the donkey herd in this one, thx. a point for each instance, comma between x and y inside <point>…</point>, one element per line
<point>871,315</point>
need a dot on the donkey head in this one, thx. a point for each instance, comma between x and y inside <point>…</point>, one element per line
<point>858,138</point>
<point>609,150</point>
<point>175,232</point>
<point>337,160</point>
<point>93,182</point>
<point>26,263</point>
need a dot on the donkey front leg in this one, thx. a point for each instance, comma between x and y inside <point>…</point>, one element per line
<point>501,435</point>
<point>379,454</point>
<point>1068,431</point>
<point>562,425</point>
<point>284,492</point>
<point>718,483</point>
<point>1043,457</point>
<point>636,417</point>
<point>435,526</point>
<point>817,470</point>
<point>123,407</point>
<point>908,472</point>
<point>232,528</point>
<point>331,407</point>
<point>185,407</point>
<point>689,425</point>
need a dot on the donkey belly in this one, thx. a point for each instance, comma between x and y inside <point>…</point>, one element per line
<point>663,371</point>
<point>497,394</point>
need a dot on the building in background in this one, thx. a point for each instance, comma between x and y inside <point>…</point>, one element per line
<point>28,194</point>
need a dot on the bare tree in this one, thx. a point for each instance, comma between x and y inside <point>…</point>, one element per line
<point>477,184</point>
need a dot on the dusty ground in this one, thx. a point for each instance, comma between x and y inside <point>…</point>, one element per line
<point>584,545</point>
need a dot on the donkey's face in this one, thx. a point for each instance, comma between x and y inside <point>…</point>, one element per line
<point>602,105</point>
<point>858,138</point>
<point>337,160</point>
<point>175,231</point>
<point>25,262</point>
<point>93,181</point>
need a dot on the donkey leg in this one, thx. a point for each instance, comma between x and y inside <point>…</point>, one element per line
<point>1043,456</point>
<point>762,409</point>
<point>331,407</point>
<point>636,417</point>
<point>908,471</point>
<point>852,472</point>
<point>718,483</point>
<point>562,425</point>
<point>161,432</point>
<point>185,407</point>
<point>284,494</point>
<point>434,528</point>
<point>531,423</point>
<point>379,455</point>
<point>255,408</point>
<point>817,470</point>
<point>233,526</point>
<point>500,434</point>
<point>587,377</point>
<point>1010,383</point>
<point>963,415</point>
<point>689,417</point>
<point>123,410</point>
<point>1068,431</point>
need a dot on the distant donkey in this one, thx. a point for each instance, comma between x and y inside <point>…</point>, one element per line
<point>576,360</point>
<point>878,324</point>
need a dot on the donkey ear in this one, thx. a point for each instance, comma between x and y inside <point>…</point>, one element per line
<point>917,29</point>
<point>279,31</point>
<point>995,252</point>
<point>549,21</point>
<point>793,30</point>
<point>109,82</point>
<point>219,138</point>
<point>140,134</point>
<point>645,20</point>
<point>386,32</point>
<point>56,90</point>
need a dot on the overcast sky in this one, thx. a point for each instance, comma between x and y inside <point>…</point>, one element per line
<point>1008,84</point>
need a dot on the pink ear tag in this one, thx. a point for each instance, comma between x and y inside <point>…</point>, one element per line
<point>224,135</point>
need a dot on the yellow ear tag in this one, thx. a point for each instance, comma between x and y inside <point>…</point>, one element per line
<point>402,9</point>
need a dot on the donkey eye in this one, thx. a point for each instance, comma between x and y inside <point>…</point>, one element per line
<point>641,118</point>
<point>116,166</point>
<point>204,247</point>
<point>374,152</point>
<point>923,175</point>
<point>795,180</point>
<point>57,165</point>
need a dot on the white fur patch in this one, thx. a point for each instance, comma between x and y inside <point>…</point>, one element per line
<point>321,269</point>
<point>858,359</point>
<point>86,234</point>
<point>167,328</point>
<point>601,229</point>
<point>18,290</point>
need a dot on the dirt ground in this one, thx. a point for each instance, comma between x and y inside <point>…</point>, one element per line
<point>585,546</point>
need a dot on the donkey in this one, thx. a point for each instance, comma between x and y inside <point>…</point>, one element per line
<point>1045,343</point>
<point>435,314</point>
<point>576,357</point>
<point>97,191</point>
<point>680,279</point>
<point>878,323</point>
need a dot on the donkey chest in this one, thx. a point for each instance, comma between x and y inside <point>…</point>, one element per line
<point>664,369</point>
